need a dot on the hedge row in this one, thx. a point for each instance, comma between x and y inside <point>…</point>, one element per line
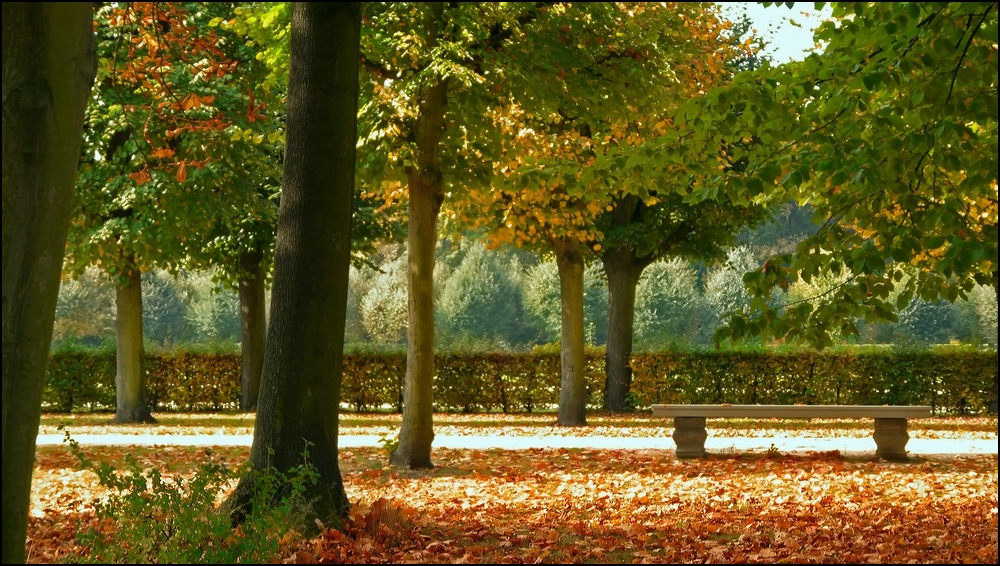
<point>950,381</point>
<point>182,382</point>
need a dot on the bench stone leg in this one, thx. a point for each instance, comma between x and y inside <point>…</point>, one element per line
<point>689,436</point>
<point>891,438</point>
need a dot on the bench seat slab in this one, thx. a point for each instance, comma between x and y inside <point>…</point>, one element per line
<point>794,411</point>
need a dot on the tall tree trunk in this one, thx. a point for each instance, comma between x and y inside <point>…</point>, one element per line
<point>253,326</point>
<point>572,389</point>
<point>623,269</point>
<point>303,360</point>
<point>130,378</point>
<point>48,71</point>
<point>425,184</point>
<point>623,278</point>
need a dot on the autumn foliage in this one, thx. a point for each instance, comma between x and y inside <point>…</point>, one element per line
<point>655,56</point>
<point>172,123</point>
<point>609,506</point>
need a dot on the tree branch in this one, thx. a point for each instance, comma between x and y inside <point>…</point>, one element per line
<point>954,75</point>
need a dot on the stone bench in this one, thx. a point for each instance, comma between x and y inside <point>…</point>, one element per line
<point>890,422</point>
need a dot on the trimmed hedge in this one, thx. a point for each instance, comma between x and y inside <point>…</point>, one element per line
<point>952,381</point>
<point>175,382</point>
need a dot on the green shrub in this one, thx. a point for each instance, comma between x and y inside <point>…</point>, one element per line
<point>384,307</point>
<point>668,309</point>
<point>149,519</point>
<point>953,380</point>
<point>481,300</point>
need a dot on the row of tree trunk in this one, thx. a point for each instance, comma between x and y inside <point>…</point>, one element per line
<point>49,67</point>
<point>130,378</point>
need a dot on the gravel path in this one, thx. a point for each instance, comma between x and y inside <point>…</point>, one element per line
<point>785,444</point>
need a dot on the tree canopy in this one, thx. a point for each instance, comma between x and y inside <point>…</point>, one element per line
<point>889,134</point>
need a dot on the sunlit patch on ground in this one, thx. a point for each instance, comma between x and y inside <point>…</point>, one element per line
<point>451,424</point>
<point>595,506</point>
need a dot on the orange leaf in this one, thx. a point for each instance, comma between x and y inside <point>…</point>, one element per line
<point>190,101</point>
<point>140,177</point>
<point>182,173</point>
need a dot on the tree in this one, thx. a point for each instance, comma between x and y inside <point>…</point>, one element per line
<point>157,173</point>
<point>669,310</point>
<point>606,80</point>
<point>655,222</point>
<point>640,232</point>
<point>425,189</point>
<point>265,29</point>
<point>480,303</point>
<point>242,249</point>
<point>890,134</point>
<point>48,71</point>
<point>303,360</point>
<point>425,135</point>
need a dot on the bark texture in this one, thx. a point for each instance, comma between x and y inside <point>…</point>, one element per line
<point>48,70</point>
<point>572,389</point>
<point>426,191</point>
<point>623,279</point>
<point>130,374</point>
<point>253,327</point>
<point>303,359</point>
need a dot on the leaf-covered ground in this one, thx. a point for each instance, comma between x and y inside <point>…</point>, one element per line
<point>600,506</point>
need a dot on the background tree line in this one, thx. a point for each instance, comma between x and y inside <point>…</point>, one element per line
<point>505,299</point>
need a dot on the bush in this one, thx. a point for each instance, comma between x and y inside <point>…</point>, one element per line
<point>724,290</point>
<point>383,308</point>
<point>984,300</point>
<point>950,379</point>
<point>924,322</point>
<point>357,287</point>
<point>85,311</point>
<point>213,311</point>
<point>669,311</point>
<point>481,300</point>
<point>149,519</point>
<point>164,310</point>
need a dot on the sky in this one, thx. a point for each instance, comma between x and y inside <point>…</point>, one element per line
<point>786,41</point>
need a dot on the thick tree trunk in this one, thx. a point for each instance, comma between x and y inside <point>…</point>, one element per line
<point>303,361</point>
<point>130,378</point>
<point>253,327</point>
<point>623,270</point>
<point>48,70</point>
<point>572,389</point>
<point>426,193</point>
<point>623,278</point>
